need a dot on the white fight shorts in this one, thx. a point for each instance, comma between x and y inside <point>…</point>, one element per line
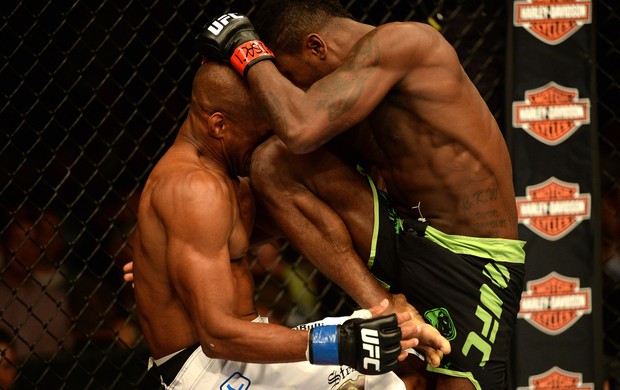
<point>203,372</point>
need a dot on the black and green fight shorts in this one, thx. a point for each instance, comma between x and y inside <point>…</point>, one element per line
<point>468,288</point>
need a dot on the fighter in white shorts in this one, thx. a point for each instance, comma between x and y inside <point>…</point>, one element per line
<point>192,281</point>
<point>201,372</point>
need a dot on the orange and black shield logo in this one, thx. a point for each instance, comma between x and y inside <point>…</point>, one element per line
<point>553,208</point>
<point>556,378</point>
<point>554,303</point>
<point>551,113</point>
<point>552,21</point>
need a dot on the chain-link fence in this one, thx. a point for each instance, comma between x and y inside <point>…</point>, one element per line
<point>608,84</point>
<point>94,92</point>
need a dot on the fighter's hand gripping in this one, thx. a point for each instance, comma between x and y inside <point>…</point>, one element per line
<point>430,342</point>
<point>371,346</point>
<point>231,37</point>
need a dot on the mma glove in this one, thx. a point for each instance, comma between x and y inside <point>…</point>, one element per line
<point>231,37</point>
<point>371,346</point>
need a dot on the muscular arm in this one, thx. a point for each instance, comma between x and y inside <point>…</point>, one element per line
<point>198,230</point>
<point>305,120</point>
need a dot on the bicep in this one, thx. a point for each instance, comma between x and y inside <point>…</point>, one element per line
<point>198,260</point>
<point>350,93</point>
<point>377,64</point>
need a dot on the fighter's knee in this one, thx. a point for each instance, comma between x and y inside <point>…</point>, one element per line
<point>266,159</point>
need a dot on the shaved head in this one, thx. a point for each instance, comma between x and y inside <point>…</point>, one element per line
<point>218,87</point>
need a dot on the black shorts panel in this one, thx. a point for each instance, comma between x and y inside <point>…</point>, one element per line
<point>456,294</point>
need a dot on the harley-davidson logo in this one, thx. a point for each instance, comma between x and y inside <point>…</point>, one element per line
<point>556,378</point>
<point>554,303</point>
<point>552,21</point>
<point>551,113</point>
<point>553,208</point>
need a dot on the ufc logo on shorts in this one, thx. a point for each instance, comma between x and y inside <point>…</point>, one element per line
<point>489,312</point>
<point>370,343</point>
<point>218,25</point>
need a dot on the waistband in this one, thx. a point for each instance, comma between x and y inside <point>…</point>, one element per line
<point>173,363</point>
<point>498,249</point>
<point>171,367</point>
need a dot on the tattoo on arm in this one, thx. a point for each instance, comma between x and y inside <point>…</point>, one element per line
<point>338,96</point>
<point>345,88</point>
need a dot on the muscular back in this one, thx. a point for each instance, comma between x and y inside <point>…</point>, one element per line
<point>437,145</point>
<point>183,252</point>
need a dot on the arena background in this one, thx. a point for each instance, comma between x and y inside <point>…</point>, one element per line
<point>95,91</point>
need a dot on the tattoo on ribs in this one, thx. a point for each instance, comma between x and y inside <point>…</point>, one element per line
<point>490,222</point>
<point>479,197</point>
<point>491,225</point>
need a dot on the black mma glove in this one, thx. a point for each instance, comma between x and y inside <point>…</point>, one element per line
<point>371,346</point>
<point>231,37</point>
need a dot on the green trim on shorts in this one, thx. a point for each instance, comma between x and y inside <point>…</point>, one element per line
<point>498,249</point>
<point>457,374</point>
<point>382,283</point>
<point>375,228</point>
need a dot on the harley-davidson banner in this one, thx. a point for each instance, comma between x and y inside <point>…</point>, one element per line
<point>553,208</point>
<point>552,138</point>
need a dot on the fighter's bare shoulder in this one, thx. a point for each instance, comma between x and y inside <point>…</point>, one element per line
<point>190,190</point>
<point>408,36</point>
<point>420,54</point>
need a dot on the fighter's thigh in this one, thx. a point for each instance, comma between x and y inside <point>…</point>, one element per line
<point>344,190</point>
<point>275,172</point>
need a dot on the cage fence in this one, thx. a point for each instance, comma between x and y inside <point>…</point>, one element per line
<point>94,92</point>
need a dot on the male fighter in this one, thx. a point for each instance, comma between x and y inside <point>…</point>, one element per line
<point>446,235</point>
<point>193,286</point>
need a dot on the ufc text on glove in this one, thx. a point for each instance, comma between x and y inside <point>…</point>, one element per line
<point>232,37</point>
<point>370,346</point>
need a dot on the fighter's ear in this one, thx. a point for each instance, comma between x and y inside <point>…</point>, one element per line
<point>316,45</point>
<point>216,124</point>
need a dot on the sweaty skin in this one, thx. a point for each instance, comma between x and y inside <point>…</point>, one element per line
<point>324,208</point>
<point>397,97</point>
<point>420,120</point>
<point>191,276</point>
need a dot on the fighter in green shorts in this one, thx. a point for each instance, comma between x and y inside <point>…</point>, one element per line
<point>467,287</point>
<point>396,98</point>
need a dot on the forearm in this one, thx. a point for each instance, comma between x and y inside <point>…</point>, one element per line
<point>269,88</point>
<point>250,342</point>
<point>295,116</point>
<point>333,343</point>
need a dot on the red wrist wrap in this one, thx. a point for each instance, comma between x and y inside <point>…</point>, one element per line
<point>249,53</point>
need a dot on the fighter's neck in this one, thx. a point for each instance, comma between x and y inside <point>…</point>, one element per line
<point>211,150</point>
<point>209,155</point>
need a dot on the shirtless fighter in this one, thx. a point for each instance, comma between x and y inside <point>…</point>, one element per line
<point>445,230</point>
<point>193,286</point>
